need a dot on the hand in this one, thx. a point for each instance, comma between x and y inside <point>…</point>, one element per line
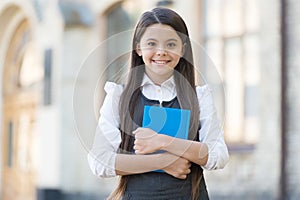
<point>179,167</point>
<point>146,141</point>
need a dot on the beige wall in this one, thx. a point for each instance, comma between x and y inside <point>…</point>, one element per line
<point>47,124</point>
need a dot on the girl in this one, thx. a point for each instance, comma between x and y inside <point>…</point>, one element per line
<point>161,73</point>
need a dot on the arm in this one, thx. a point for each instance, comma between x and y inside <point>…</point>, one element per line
<point>127,164</point>
<point>135,164</point>
<point>105,162</point>
<point>196,152</point>
<point>148,141</point>
<point>211,132</point>
<point>103,159</point>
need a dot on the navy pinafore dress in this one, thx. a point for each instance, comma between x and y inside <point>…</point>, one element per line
<point>157,185</point>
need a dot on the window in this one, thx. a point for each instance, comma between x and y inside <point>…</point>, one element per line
<point>230,36</point>
<point>118,43</point>
<point>10,144</point>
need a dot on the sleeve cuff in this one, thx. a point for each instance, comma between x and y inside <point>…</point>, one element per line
<point>211,161</point>
<point>102,168</point>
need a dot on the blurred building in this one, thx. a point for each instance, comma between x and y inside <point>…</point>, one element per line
<point>56,55</point>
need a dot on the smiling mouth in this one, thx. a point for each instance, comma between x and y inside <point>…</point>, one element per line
<point>161,62</point>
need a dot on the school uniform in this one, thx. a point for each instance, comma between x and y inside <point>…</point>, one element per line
<point>155,185</point>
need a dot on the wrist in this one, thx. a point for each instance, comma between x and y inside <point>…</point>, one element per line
<point>160,160</point>
<point>163,141</point>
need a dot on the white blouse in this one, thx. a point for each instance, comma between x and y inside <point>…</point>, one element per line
<point>102,156</point>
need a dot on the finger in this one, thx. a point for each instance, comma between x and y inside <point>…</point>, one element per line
<point>182,177</point>
<point>136,134</point>
<point>139,152</point>
<point>136,130</point>
<point>138,142</point>
<point>188,171</point>
<point>136,147</point>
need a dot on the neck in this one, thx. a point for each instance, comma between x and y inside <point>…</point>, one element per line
<point>158,80</point>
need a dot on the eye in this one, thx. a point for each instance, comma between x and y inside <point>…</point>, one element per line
<point>171,45</point>
<point>151,44</point>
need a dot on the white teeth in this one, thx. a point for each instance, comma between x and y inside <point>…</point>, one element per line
<point>160,62</point>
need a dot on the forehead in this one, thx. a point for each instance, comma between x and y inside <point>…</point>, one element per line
<point>160,32</point>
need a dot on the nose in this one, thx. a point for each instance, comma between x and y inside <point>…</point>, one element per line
<point>161,51</point>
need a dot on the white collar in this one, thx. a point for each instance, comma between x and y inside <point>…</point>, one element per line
<point>165,92</point>
<point>169,83</point>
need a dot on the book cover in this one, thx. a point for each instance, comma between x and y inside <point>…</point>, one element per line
<point>169,121</point>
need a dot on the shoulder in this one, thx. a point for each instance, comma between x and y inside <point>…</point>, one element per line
<point>204,96</point>
<point>203,91</point>
<point>113,89</point>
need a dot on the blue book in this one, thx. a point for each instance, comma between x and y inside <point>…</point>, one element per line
<point>169,121</point>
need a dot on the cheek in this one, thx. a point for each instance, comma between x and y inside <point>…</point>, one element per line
<point>147,55</point>
<point>176,57</point>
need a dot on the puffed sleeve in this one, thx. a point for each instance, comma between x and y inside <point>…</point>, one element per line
<point>107,139</point>
<point>211,132</point>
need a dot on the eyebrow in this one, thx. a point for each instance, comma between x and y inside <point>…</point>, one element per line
<point>172,39</point>
<point>151,39</point>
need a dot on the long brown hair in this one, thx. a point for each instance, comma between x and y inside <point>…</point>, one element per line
<point>184,76</point>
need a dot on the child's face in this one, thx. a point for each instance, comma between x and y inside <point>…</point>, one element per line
<point>161,49</point>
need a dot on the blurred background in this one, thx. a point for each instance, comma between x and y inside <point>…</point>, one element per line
<point>252,44</point>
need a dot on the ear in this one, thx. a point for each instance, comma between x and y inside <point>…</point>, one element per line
<point>138,49</point>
